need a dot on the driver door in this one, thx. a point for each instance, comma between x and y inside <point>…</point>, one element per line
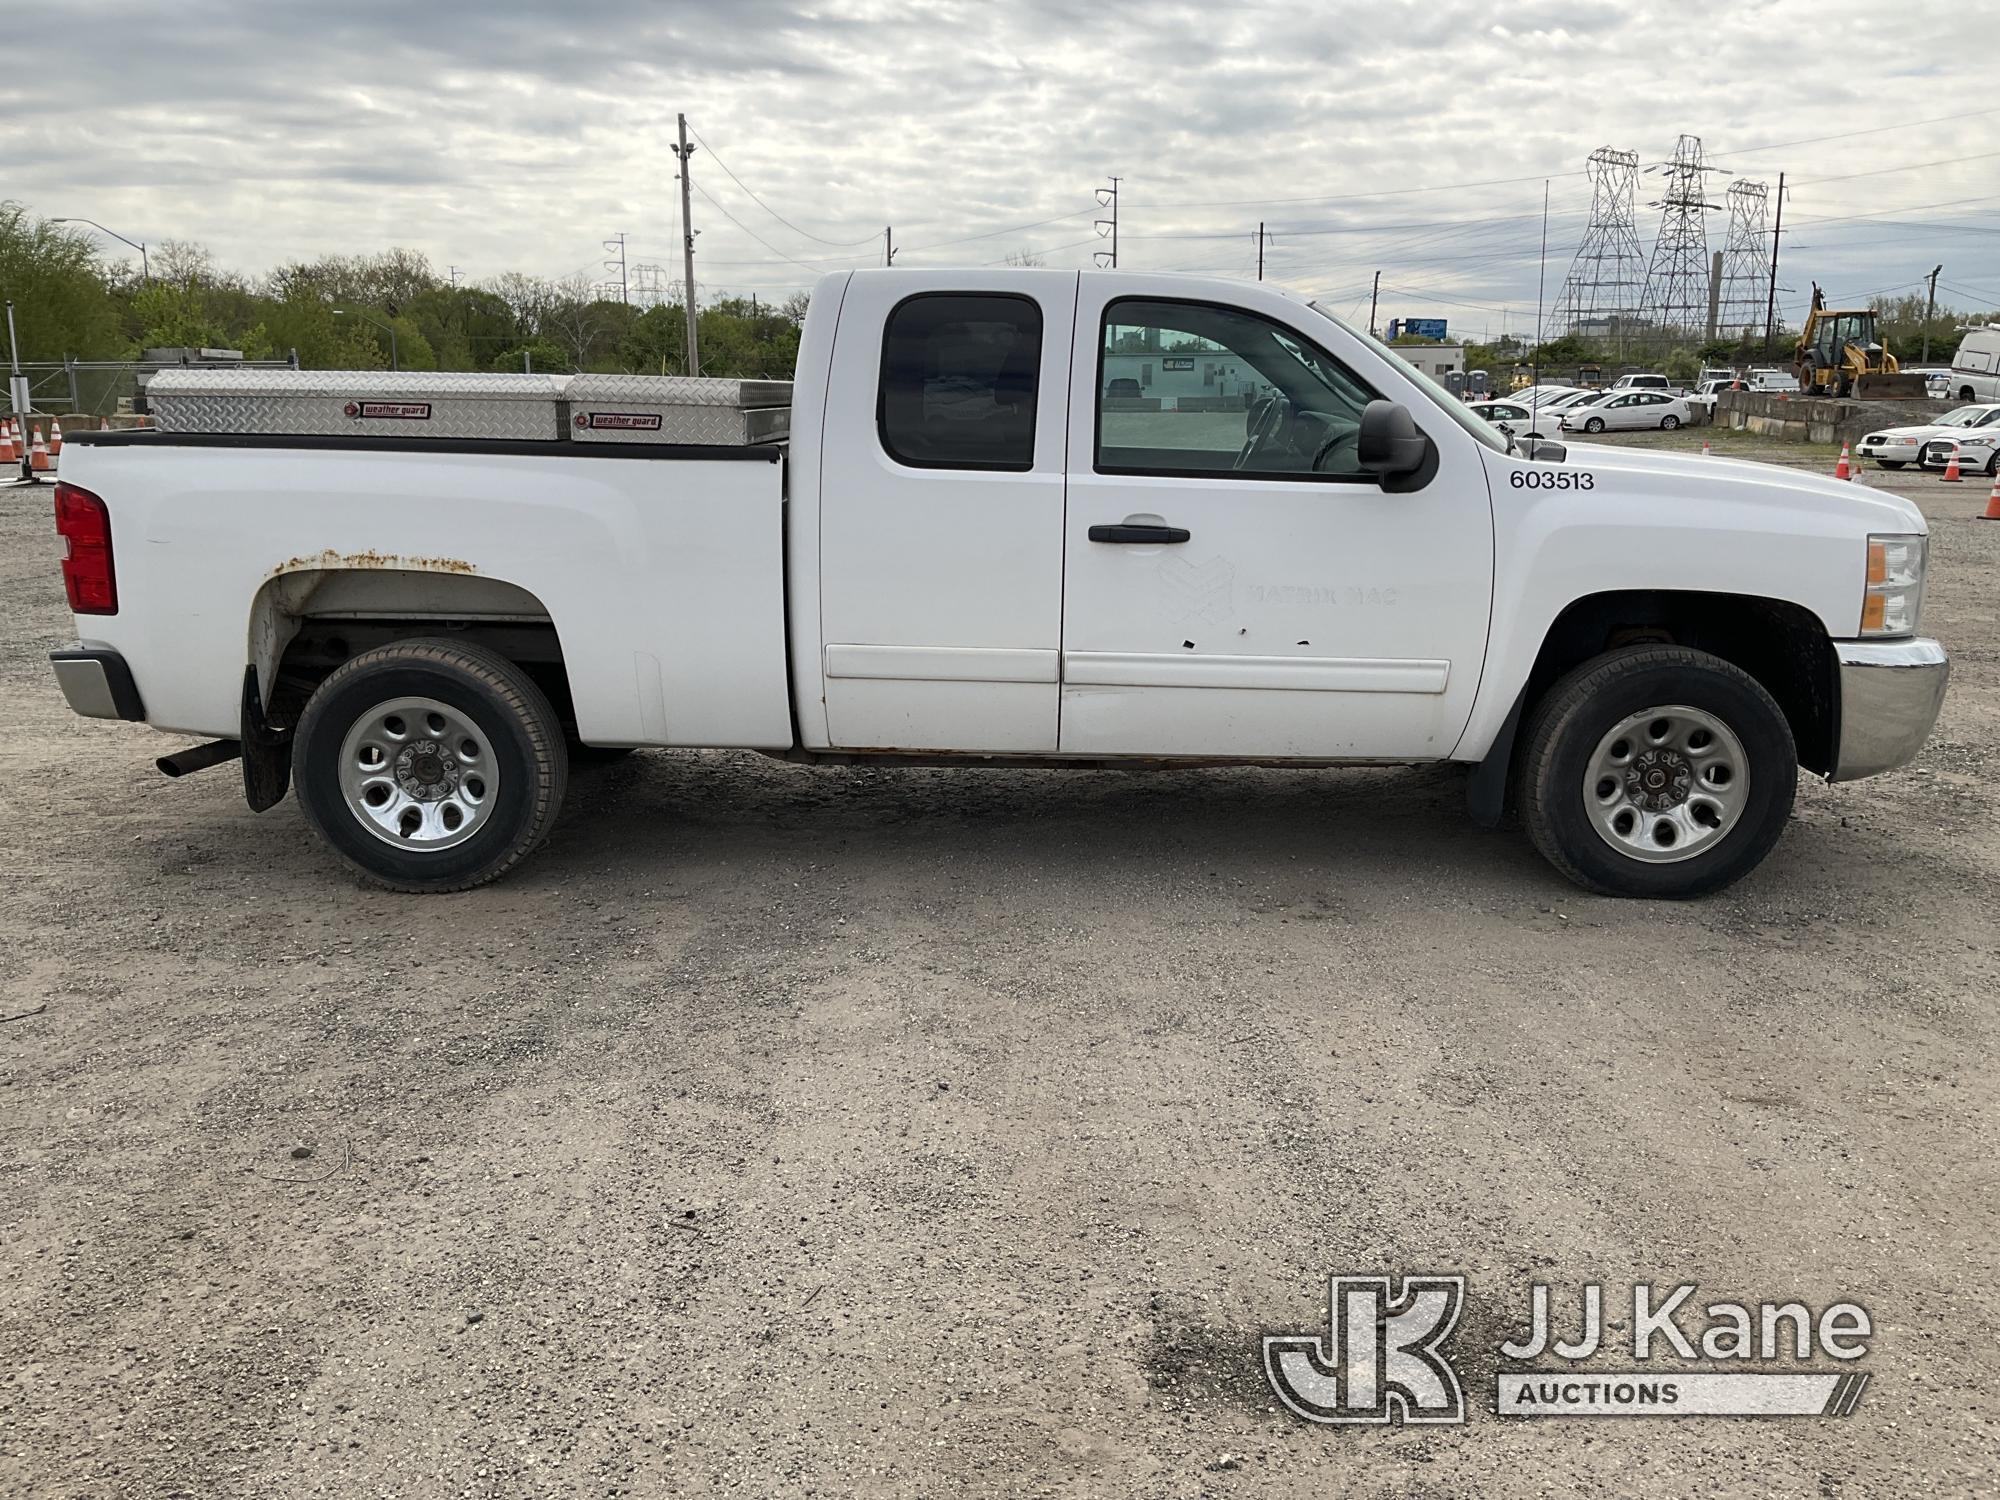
<point>1233,584</point>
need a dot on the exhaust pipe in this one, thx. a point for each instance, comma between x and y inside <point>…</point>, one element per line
<point>199,757</point>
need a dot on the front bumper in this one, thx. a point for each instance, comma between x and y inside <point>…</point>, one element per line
<point>1937,455</point>
<point>1890,693</point>
<point>97,684</point>
<point>1896,452</point>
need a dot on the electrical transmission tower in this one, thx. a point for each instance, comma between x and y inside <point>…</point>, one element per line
<point>1677,277</point>
<point>1746,261</point>
<point>1602,293</point>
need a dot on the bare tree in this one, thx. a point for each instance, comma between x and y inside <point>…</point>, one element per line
<point>573,317</point>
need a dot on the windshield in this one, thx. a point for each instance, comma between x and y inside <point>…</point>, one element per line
<point>1965,416</point>
<point>1446,402</point>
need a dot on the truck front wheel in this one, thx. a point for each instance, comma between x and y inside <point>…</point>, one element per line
<point>430,765</point>
<point>1657,771</point>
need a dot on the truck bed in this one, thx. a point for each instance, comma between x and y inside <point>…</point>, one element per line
<point>662,563</point>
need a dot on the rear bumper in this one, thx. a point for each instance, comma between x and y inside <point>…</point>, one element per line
<point>1890,693</point>
<point>97,684</point>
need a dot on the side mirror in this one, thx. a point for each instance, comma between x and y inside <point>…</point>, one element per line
<point>1390,447</point>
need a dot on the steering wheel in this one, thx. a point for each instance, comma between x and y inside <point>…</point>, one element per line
<point>1266,416</point>
<point>1337,440</point>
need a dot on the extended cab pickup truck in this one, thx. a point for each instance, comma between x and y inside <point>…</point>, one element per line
<point>978,545</point>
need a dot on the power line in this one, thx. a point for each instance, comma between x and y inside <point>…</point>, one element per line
<point>1848,135</point>
<point>1447,187</point>
<point>709,198</point>
<point>1917,166</point>
<point>807,233</point>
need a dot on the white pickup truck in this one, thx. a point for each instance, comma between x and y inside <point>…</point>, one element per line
<point>1024,517</point>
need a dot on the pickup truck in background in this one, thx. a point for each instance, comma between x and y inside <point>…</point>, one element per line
<point>979,545</point>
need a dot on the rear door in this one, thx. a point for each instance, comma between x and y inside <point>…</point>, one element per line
<point>941,511</point>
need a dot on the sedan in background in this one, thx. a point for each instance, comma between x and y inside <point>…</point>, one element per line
<point>1978,452</point>
<point>1626,411</point>
<point>1515,418</point>
<point>1893,447</point>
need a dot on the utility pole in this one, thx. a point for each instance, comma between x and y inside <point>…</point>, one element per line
<point>1373,298</point>
<point>1771,299</point>
<point>1108,198</point>
<point>888,245</point>
<point>1260,249</point>
<point>617,242</point>
<point>1930,311</point>
<point>453,272</point>
<point>685,153</point>
<point>1714,293</point>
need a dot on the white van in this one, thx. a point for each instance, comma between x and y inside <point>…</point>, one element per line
<point>1975,369</point>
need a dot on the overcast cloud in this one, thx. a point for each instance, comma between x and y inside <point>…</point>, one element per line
<point>517,136</point>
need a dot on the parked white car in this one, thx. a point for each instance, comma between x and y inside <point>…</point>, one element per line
<point>416,599</point>
<point>1570,400</point>
<point>1625,411</point>
<point>1973,427</point>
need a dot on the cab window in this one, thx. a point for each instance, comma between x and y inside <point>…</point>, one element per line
<point>1221,392</point>
<point>958,384</point>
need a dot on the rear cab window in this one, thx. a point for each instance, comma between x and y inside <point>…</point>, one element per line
<point>959,380</point>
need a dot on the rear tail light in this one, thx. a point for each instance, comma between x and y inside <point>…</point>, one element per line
<point>85,527</point>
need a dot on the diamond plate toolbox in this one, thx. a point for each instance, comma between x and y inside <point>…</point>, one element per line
<point>359,403</point>
<point>678,409</point>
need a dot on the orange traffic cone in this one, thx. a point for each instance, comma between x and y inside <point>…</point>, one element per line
<point>1842,470</point>
<point>55,437</point>
<point>1992,511</point>
<point>40,453</point>
<point>104,424</point>
<point>1951,474</point>
<point>8,452</point>
<point>1704,449</point>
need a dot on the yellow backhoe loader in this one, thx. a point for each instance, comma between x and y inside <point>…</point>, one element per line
<point>1839,354</point>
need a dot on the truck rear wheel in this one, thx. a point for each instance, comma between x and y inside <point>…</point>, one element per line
<point>430,765</point>
<point>1657,771</point>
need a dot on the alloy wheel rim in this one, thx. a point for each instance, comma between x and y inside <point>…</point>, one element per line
<point>419,774</point>
<point>1666,784</point>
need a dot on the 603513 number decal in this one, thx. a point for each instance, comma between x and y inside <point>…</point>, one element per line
<point>1553,479</point>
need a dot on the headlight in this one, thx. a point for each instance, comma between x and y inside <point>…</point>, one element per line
<point>1894,596</point>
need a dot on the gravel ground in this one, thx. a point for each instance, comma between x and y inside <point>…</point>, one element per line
<point>955,1133</point>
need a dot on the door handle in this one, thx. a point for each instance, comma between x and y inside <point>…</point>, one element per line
<point>1155,535</point>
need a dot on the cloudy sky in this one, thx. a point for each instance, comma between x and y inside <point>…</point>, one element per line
<point>1410,137</point>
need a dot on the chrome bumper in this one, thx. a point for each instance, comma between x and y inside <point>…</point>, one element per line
<point>1890,693</point>
<point>97,684</point>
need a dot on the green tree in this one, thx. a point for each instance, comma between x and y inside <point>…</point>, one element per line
<point>174,315</point>
<point>549,358</point>
<point>656,343</point>
<point>63,305</point>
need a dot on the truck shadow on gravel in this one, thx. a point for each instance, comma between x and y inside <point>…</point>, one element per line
<point>672,809</point>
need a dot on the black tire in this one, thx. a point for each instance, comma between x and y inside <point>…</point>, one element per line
<point>1965,393</point>
<point>1669,422</point>
<point>1892,463</point>
<point>501,701</point>
<point>1563,732</point>
<point>1593,424</point>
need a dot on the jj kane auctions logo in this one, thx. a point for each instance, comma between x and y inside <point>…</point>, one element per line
<point>1384,1357</point>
